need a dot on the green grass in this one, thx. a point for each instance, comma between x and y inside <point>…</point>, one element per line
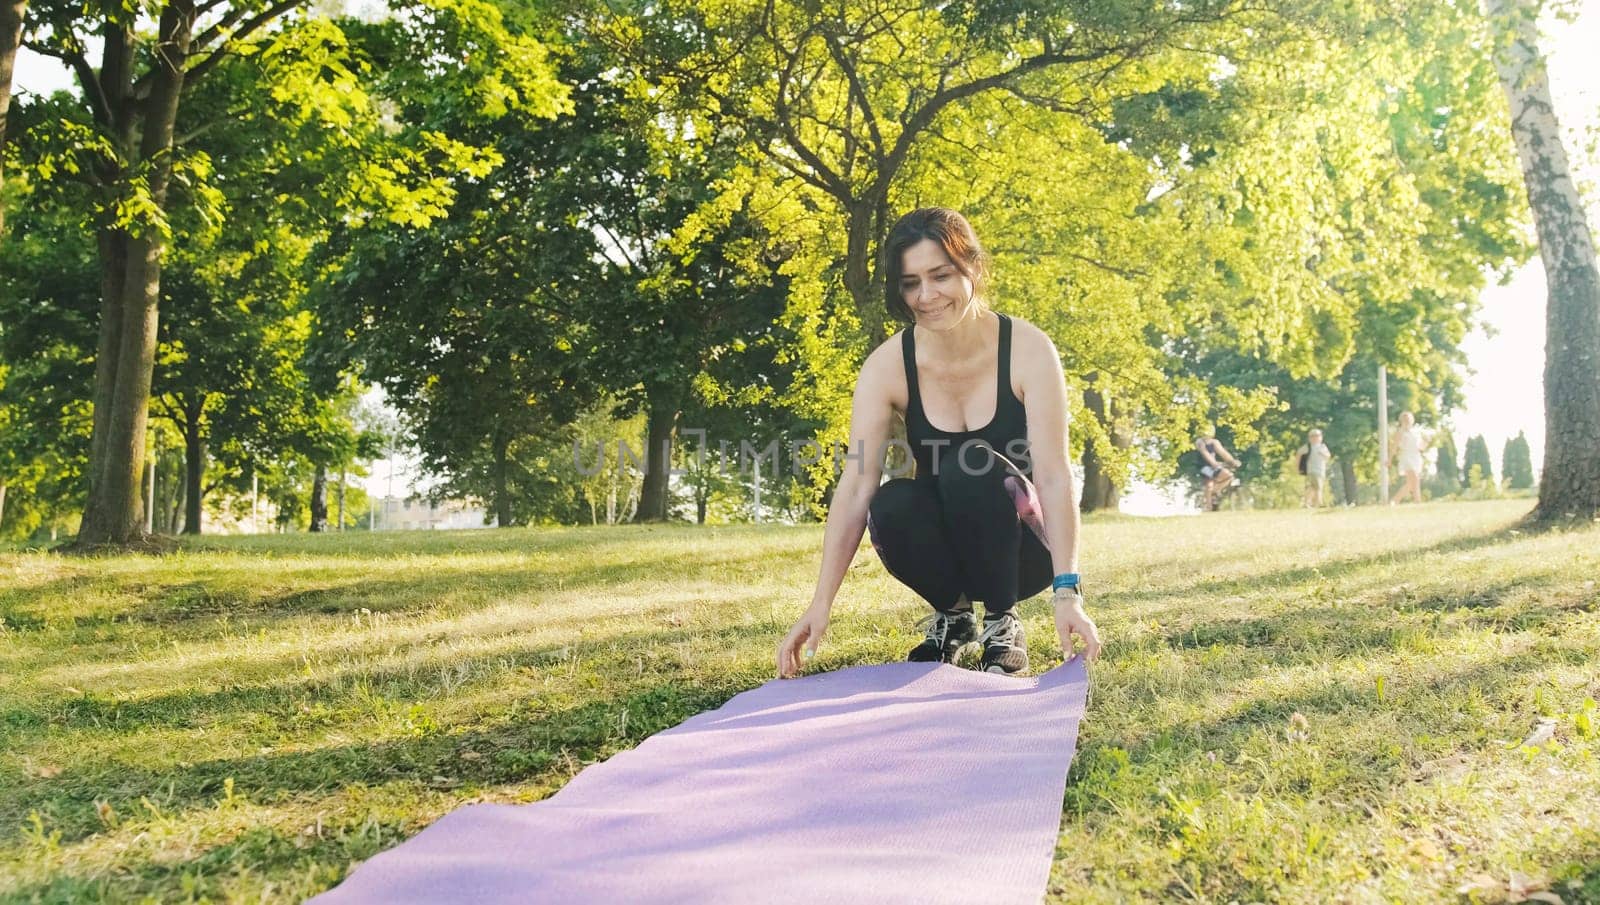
<point>243,719</point>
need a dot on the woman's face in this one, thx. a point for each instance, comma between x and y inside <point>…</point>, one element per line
<point>1406,420</point>
<point>933,287</point>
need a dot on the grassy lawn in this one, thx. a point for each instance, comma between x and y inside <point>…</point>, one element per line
<point>1292,706</point>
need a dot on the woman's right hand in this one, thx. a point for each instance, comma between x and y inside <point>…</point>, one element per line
<point>806,633</point>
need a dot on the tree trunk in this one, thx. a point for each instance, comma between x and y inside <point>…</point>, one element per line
<point>2,504</point>
<point>341,499</point>
<point>179,494</point>
<point>866,221</point>
<point>662,422</point>
<point>116,76</point>
<point>319,500</point>
<point>111,515</point>
<point>1347,471</point>
<point>858,267</point>
<point>502,495</point>
<point>113,251</point>
<point>1099,492</point>
<point>1570,485</point>
<point>194,473</point>
<point>11,13</point>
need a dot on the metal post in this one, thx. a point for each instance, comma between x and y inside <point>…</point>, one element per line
<point>1383,435</point>
<point>758,489</point>
<point>388,491</point>
<point>255,501</point>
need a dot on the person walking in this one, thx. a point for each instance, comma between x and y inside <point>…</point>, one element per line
<point>1409,444</point>
<point>1312,461</point>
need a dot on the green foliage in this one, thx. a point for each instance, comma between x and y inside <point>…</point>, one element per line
<point>48,296</point>
<point>1516,462</point>
<point>1476,465</point>
<point>520,219</point>
<point>1446,479</point>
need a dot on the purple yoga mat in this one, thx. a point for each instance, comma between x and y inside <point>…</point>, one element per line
<point>906,782</point>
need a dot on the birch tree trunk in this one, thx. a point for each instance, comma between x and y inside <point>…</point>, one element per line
<point>1570,484</point>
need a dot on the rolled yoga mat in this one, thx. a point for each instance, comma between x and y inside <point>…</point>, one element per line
<point>906,782</point>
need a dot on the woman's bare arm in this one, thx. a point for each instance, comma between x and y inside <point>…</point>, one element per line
<point>871,417</point>
<point>1045,401</point>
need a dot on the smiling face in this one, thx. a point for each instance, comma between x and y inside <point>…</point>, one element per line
<point>934,269</point>
<point>933,287</point>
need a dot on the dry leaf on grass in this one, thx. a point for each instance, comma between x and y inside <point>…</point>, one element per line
<point>1543,732</point>
<point>1516,887</point>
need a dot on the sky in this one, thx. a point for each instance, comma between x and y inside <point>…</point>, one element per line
<point>1505,392</point>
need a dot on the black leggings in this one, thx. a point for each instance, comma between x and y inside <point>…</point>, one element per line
<point>960,533</point>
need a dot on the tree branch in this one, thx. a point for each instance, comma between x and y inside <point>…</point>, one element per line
<point>247,29</point>
<point>93,91</point>
<point>832,182</point>
<point>856,89</point>
<point>945,96</point>
<point>198,70</point>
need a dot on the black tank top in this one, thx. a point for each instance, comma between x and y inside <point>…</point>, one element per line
<point>1007,432</point>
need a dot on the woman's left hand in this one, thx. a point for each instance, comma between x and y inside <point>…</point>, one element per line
<point>1072,620</point>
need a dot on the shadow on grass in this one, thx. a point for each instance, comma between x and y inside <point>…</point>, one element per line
<point>1110,773</point>
<point>1321,570</point>
<point>581,539</point>
<point>1365,626</point>
<point>564,740</point>
<point>374,588</point>
<point>526,729</point>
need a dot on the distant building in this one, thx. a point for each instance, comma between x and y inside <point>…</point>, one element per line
<point>413,514</point>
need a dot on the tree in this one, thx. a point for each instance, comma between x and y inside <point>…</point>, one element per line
<point>1446,479</point>
<point>12,13</point>
<point>466,324</point>
<point>133,98</point>
<point>1516,462</point>
<point>48,296</point>
<point>131,150</point>
<point>1570,484</point>
<point>837,102</point>
<point>1476,466</point>
<point>1405,240</point>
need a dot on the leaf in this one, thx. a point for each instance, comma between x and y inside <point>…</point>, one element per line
<point>1543,732</point>
<point>1480,883</point>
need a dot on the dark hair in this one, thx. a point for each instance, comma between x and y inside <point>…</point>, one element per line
<point>952,233</point>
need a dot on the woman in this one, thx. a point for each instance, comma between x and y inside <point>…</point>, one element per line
<point>985,404</point>
<point>1408,444</point>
